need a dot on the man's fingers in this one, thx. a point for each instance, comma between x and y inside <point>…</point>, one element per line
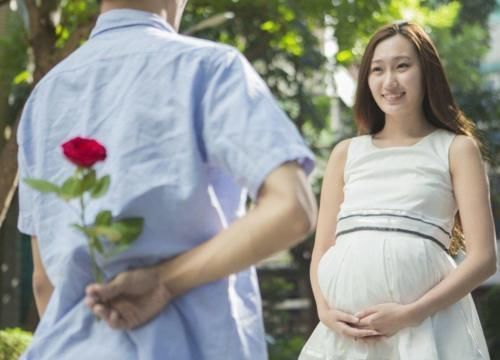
<point>101,311</point>
<point>124,315</point>
<point>106,292</point>
<point>90,301</point>
<point>116,321</point>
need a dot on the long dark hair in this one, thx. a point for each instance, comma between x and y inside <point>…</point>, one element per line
<point>438,103</point>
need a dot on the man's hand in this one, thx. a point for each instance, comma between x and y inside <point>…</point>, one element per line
<point>344,324</point>
<point>387,319</point>
<point>130,300</point>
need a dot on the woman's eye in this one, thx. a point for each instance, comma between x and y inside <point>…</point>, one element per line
<point>403,66</point>
<point>376,69</point>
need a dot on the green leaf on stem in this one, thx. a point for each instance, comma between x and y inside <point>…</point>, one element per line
<point>96,244</point>
<point>130,228</point>
<point>89,180</point>
<point>104,218</point>
<point>71,188</point>
<point>109,232</point>
<point>115,250</point>
<point>123,231</point>
<point>79,228</point>
<point>85,230</point>
<point>101,187</point>
<point>42,185</point>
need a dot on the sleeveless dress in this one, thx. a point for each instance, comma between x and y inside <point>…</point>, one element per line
<point>393,230</point>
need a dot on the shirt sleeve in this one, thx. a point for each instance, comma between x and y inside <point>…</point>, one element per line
<point>26,195</point>
<point>244,130</point>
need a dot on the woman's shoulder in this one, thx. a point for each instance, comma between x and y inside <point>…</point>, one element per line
<point>463,149</point>
<point>343,148</point>
<point>339,152</point>
<point>464,145</point>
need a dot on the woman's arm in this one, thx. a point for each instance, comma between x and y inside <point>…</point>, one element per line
<point>42,287</point>
<point>332,196</point>
<point>470,185</point>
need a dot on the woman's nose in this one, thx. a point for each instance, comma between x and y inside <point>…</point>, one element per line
<point>390,81</point>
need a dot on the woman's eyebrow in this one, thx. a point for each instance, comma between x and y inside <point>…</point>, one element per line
<point>400,57</point>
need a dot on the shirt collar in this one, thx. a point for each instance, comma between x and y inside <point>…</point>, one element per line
<point>122,18</point>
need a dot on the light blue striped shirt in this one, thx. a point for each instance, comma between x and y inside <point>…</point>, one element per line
<point>189,128</point>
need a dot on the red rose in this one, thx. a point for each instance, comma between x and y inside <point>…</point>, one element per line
<point>84,152</point>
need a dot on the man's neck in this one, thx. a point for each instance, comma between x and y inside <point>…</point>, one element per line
<point>152,6</point>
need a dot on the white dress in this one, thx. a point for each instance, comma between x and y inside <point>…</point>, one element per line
<point>393,230</point>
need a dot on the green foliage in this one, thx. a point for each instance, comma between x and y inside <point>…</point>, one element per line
<point>119,232</point>
<point>103,218</point>
<point>279,38</point>
<point>15,80</point>
<point>461,52</point>
<point>285,348</point>
<point>73,13</point>
<point>71,188</point>
<point>283,39</point>
<point>489,311</point>
<point>84,180</point>
<point>106,236</point>
<point>13,342</point>
<point>89,179</point>
<point>442,16</point>
<point>101,187</point>
<point>276,289</point>
<point>477,11</point>
<point>42,185</point>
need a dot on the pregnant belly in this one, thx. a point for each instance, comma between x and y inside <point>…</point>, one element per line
<point>366,268</point>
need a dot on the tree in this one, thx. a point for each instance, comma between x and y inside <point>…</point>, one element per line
<point>284,40</point>
<point>55,28</point>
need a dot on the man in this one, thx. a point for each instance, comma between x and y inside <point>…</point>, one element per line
<point>189,127</point>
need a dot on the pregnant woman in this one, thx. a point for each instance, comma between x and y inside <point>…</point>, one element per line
<point>395,202</point>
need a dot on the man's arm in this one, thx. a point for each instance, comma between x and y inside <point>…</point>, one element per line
<point>42,287</point>
<point>284,214</point>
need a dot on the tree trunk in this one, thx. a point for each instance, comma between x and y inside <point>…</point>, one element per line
<point>42,39</point>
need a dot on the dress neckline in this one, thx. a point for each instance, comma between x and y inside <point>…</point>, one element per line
<point>370,138</point>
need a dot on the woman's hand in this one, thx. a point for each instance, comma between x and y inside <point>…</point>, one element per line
<point>387,319</point>
<point>344,323</point>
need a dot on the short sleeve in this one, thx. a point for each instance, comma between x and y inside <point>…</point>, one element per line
<point>244,130</point>
<point>26,196</point>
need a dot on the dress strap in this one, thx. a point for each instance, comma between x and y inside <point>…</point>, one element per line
<point>357,147</point>
<point>441,142</point>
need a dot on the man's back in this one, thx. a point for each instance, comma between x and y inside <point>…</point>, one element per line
<point>187,128</point>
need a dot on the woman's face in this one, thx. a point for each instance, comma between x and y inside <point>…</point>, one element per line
<point>395,78</point>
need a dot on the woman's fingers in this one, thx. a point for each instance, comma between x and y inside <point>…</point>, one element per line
<point>355,332</point>
<point>366,312</point>
<point>345,317</point>
<point>366,321</point>
<point>372,339</point>
<point>348,325</point>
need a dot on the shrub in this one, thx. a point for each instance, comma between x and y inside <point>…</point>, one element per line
<point>13,342</point>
